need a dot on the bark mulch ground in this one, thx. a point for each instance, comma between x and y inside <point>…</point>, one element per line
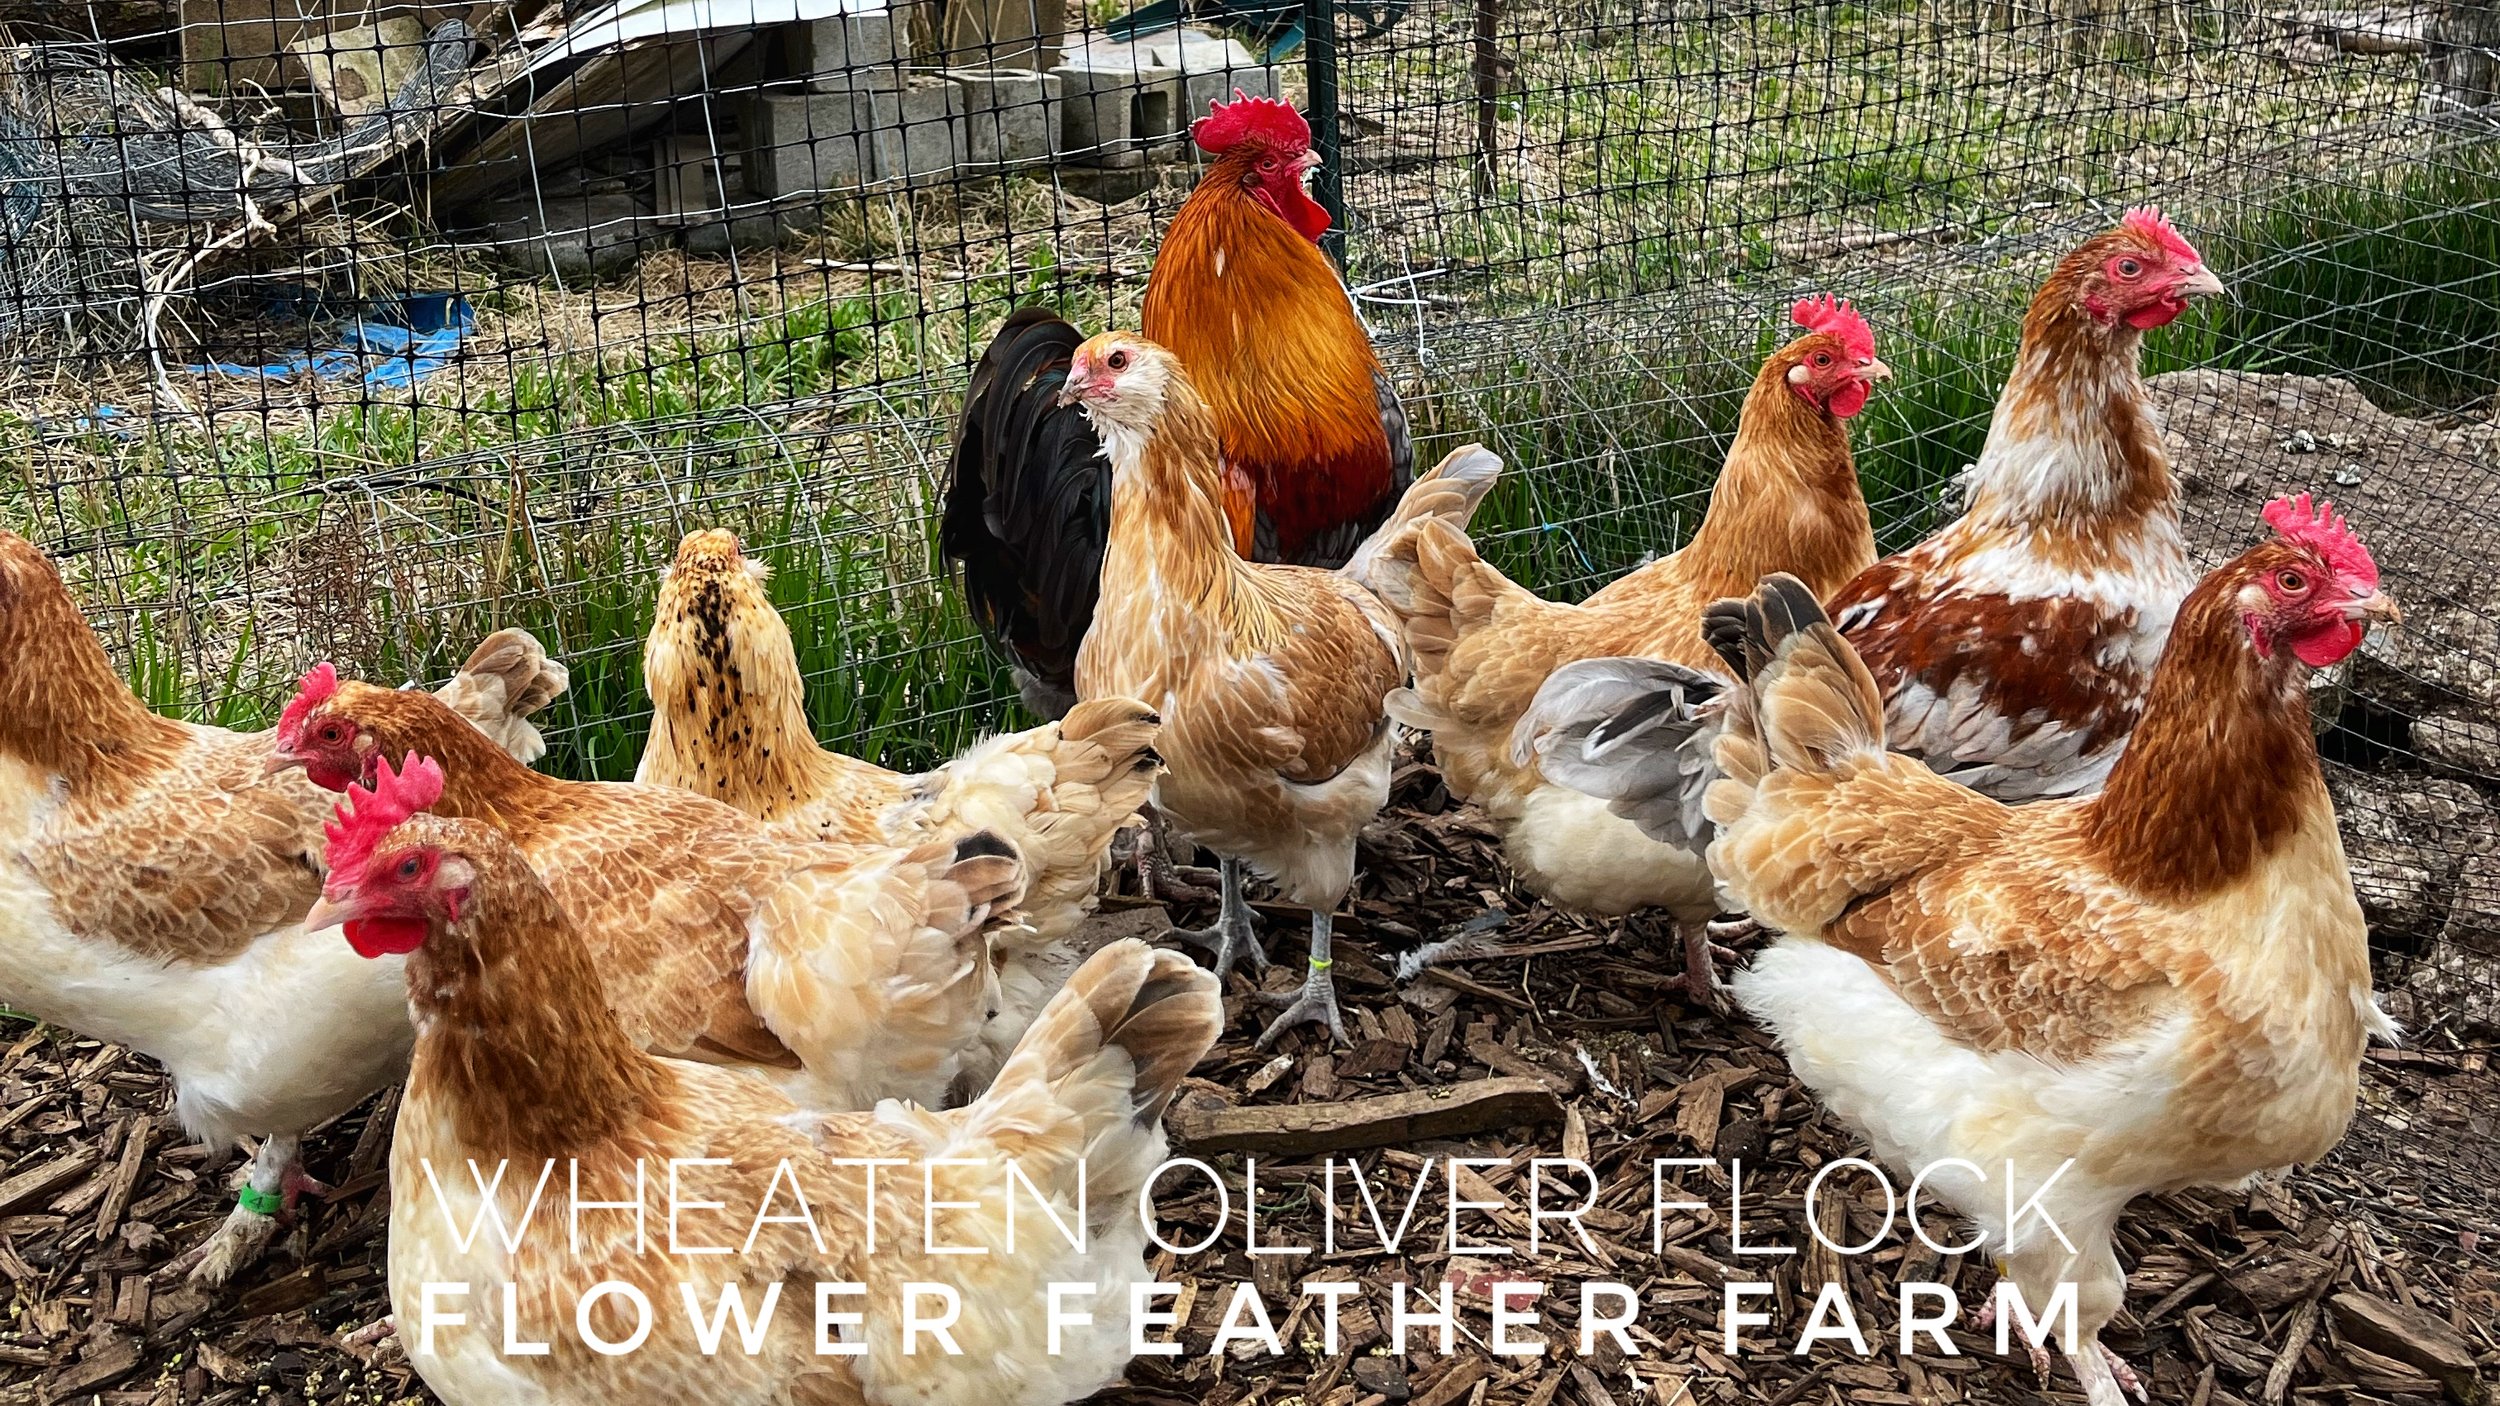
<point>2373,1277</point>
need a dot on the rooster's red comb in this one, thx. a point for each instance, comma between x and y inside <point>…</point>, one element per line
<point>1833,316</point>
<point>366,813</point>
<point>2149,222</point>
<point>2323,530</point>
<point>1229,124</point>
<point>311,692</point>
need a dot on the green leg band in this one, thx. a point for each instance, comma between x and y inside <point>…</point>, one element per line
<point>259,1202</point>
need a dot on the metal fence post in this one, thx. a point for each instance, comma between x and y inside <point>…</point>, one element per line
<point>1319,57</point>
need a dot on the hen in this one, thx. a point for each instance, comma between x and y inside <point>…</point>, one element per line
<point>730,721</point>
<point>1786,500</point>
<point>1315,448</point>
<point>2161,986</point>
<point>520,1067</point>
<point>855,972</point>
<point>1269,679</point>
<point>153,885</point>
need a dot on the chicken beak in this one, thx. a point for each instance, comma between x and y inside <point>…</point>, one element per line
<point>2200,283</point>
<point>278,761</point>
<point>2377,605</point>
<point>1070,392</point>
<point>324,914</point>
<point>1872,370</point>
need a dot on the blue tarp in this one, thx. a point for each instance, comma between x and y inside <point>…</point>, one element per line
<point>400,344</point>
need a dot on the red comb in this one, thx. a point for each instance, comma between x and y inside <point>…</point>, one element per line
<point>1229,124</point>
<point>313,691</point>
<point>2148,221</point>
<point>367,813</point>
<point>1834,317</point>
<point>2324,531</point>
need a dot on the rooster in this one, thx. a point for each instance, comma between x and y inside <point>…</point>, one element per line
<point>1315,447</point>
<point>1787,500</point>
<point>729,720</point>
<point>520,1065</point>
<point>853,972</point>
<point>2160,986</point>
<point>1269,678</point>
<point>153,886</point>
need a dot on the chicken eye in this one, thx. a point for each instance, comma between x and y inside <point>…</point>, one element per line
<point>2129,268</point>
<point>408,867</point>
<point>2292,581</point>
<point>1267,163</point>
<point>1822,359</point>
<point>330,732</point>
<point>1117,361</point>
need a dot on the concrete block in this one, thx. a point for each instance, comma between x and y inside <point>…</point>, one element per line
<point>804,143</point>
<point>1114,108</point>
<point>570,237</point>
<point>1199,91</point>
<point>1011,116</point>
<point>845,52</point>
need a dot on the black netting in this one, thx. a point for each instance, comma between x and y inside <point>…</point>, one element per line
<point>351,331</point>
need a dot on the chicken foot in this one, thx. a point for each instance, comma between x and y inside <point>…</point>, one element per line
<point>272,1184</point>
<point>2106,1377</point>
<point>1234,935</point>
<point>1316,1002</point>
<point>1700,977</point>
<point>1157,875</point>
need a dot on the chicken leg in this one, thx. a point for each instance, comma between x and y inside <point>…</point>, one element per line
<point>271,1186</point>
<point>1316,1002</point>
<point>1234,935</point>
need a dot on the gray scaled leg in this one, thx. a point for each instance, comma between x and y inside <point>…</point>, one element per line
<point>1233,936</point>
<point>1316,1002</point>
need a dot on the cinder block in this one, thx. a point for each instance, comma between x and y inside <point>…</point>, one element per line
<point>1112,114</point>
<point>844,52</point>
<point>808,143</point>
<point>1010,116</point>
<point>1201,90</point>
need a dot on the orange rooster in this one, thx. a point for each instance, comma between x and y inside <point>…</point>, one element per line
<point>1787,500</point>
<point>1315,448</point>
<point>729,721</point>
<point>153,885</point>
<point>521,1068</point>
<point>2161,986</point>
<point>865,967</point>
<point>1269,678</point>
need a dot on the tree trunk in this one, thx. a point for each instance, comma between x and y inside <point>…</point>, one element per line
<point>2465,54</point>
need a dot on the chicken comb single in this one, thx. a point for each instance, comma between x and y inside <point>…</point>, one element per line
<point>1245,118</point>
<point>367,813</point>
<point>1834,317</point>
<point>2323,529</point>
<point>313,690</point>
<point>2152,224</point>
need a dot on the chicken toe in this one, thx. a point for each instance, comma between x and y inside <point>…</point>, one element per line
<point>1234,935</point>
<point>270,1184</point>
<point>1316,1002</point>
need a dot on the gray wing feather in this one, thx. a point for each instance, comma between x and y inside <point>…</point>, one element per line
<point>1636,733</point>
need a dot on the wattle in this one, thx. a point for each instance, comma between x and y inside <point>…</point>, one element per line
<point>2161,314</point>
<point>1297,209</point>
<point>384,937</point>
<point>2329,643</point>
<point>1848,400</point>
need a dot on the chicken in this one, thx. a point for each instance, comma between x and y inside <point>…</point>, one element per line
<point>1787,500</point>
<point>851,972</point>
<point>2015,647</point>
<point>1315,446</point>
<point>521,1067</point>
<point>729,720</point>
<point>2160,986</point>
<point>1269,679</point>
<point>153,886</point>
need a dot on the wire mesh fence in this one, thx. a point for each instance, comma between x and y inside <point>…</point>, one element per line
<point>354,332</point>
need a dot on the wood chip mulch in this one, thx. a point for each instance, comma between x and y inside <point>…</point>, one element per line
<point>2373,1277</point>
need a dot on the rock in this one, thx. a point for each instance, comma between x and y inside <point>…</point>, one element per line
<point>2407,838</point>
<point>1381,1377</point>
<point>575,237</point>
<point>2457,982</point>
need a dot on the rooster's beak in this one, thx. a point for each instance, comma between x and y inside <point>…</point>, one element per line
<point>2201,282</point>
<point>324,914</point>
<point>2377,605</point>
